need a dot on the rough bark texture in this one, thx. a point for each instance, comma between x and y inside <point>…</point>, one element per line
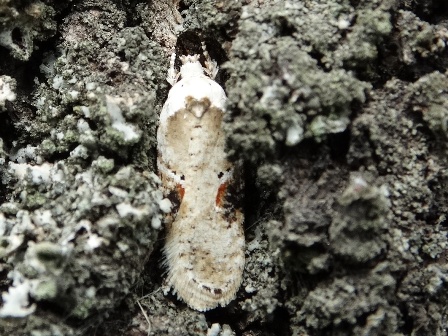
<point>339,109</point>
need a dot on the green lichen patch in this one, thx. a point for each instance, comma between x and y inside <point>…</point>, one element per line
<point>302,235</point>
<point>358,230</point>
<point>81,218</point>
<point>429,283</point>
<point>22,23</point>
<point>351,232</point>
<point>260,288</point>
<point>345,300</point>
<point>86,245</point>
<point>216,19</point>
<point>364,37</point>
<point>388,140</point>
<point>278,92</point>
<point>420,39</point>
<point>429,96</point>
<point>162,317</point>
<point>106,105</point>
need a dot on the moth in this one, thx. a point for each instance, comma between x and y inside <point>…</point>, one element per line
<point>204,247</point>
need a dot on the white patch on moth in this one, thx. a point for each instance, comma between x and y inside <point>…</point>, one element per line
<point>204,248</point>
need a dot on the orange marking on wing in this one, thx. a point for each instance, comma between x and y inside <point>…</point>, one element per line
<point>180,191</point>
<point>220,194</point>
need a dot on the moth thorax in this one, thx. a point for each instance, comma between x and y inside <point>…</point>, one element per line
<point>191,66</point>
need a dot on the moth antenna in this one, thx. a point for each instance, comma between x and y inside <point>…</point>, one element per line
<point>211,67</point>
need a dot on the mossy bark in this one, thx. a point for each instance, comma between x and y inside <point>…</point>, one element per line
<point>338,108</point>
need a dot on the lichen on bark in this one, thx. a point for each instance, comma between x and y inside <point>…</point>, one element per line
<point>338,108</point>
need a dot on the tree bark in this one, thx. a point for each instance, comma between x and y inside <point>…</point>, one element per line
<point>339,110</point>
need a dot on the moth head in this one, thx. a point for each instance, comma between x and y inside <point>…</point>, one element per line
<point>190,66</point>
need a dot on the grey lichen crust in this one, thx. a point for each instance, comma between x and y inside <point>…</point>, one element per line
<point>339,109</point>
<point>165,318</point>
<point>351,224</point>
<point>24,22</point>
<point>429,96</point>
<point>83,208</point>
<point>70,227</point>
<point>285,89</point>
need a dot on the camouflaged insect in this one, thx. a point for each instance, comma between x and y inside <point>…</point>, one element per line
<point>204,248</point>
